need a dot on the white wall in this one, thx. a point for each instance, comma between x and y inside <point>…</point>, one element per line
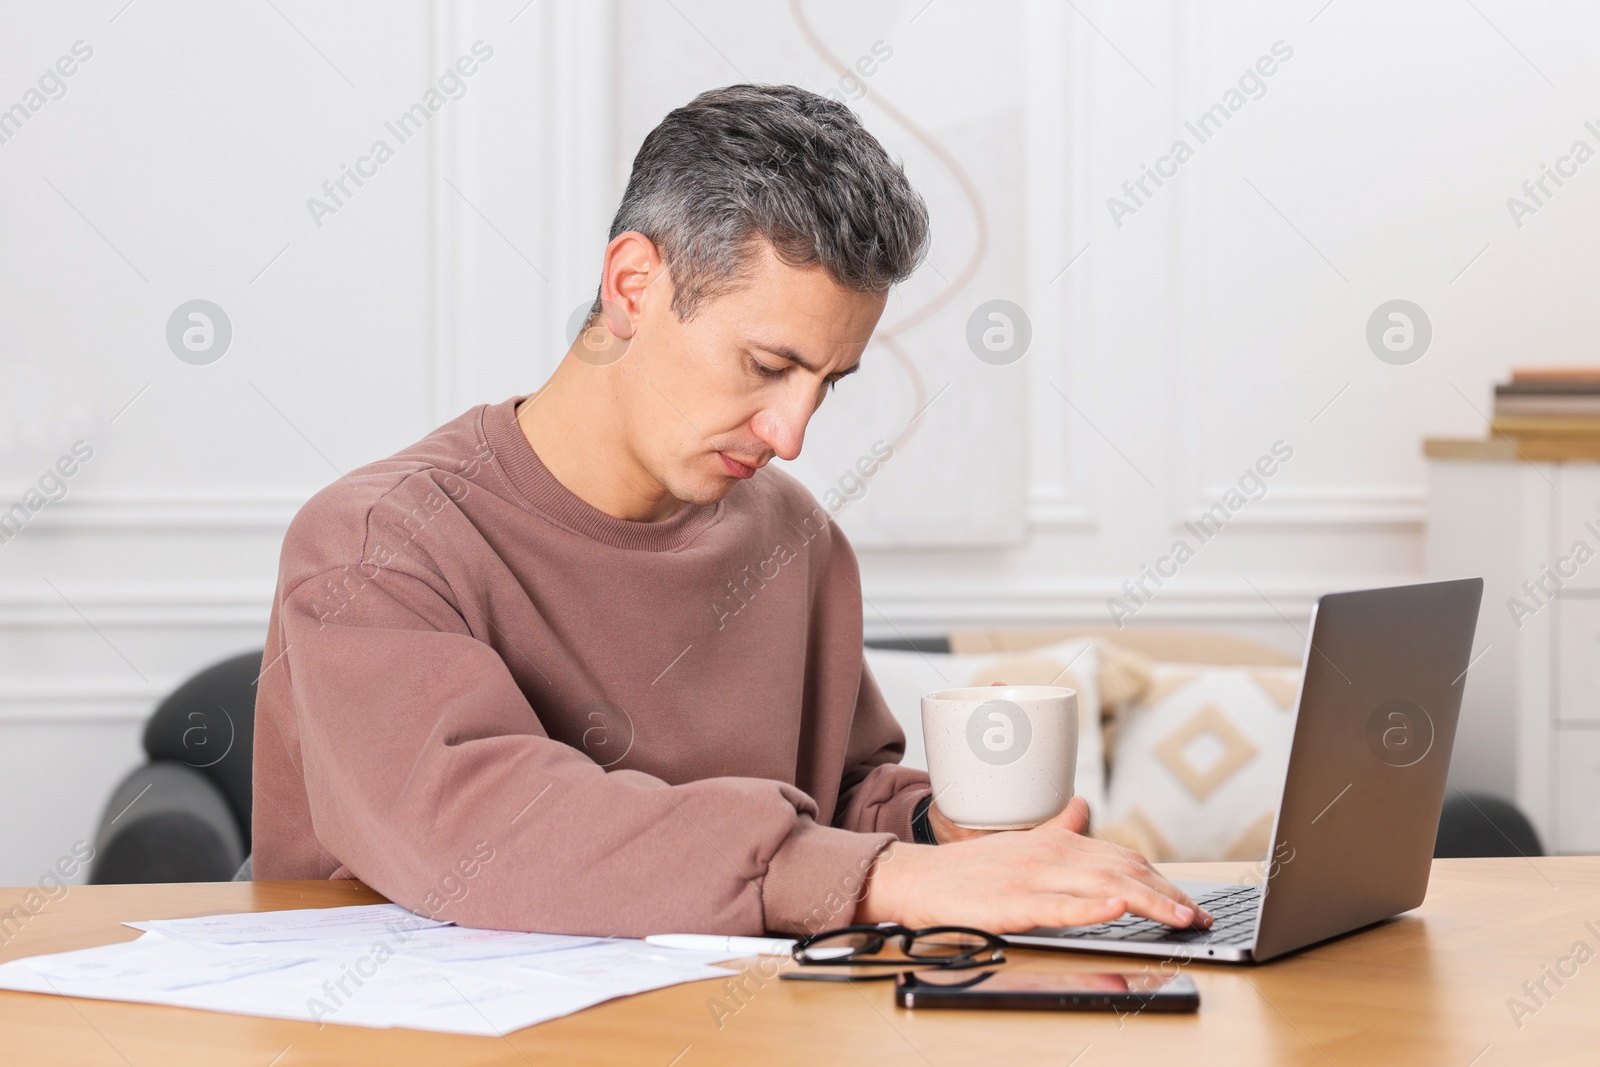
<point>1221,316</point>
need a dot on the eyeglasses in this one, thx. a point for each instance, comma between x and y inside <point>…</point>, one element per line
<point>942,947</point>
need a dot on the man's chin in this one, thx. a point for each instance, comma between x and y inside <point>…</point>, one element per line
<point>703,493</point>
<point>697,488</point>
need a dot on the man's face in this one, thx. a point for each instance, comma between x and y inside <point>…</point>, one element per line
<point>707,401</point>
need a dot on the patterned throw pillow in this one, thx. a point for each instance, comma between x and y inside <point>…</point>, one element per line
<point>905,676</point>
<point>1198,763</point>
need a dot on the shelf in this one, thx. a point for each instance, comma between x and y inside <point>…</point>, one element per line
<point>1504,450</point>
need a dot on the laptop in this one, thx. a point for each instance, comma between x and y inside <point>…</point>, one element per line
<point>1353,841</point>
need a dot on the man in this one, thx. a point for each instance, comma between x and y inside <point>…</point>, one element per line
<point>576,662</point>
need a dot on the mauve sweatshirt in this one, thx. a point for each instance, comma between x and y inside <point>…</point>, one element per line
<point>498,705</point>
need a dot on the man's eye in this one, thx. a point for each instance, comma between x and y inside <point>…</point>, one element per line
<point>766,371</point>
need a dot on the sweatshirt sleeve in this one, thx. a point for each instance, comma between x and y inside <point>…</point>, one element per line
<point>879,794</point>
<point>419,752</point>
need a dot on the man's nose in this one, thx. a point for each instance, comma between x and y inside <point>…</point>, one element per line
<point>782,424</point>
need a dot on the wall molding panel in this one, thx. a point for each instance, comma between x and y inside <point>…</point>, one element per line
<point>258,512</point>
<point>54,700</point>
<point>175,605</point>
<point>1324,508</point>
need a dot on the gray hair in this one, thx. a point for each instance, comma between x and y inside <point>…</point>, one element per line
<point>778,164</point>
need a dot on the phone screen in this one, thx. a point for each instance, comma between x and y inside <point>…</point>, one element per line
<point>1002,981</point>
<point>1072,990</point>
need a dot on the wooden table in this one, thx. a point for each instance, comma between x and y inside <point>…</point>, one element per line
<point>1429,988</point>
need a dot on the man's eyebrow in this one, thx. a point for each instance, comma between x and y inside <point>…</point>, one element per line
<point>785,352</point>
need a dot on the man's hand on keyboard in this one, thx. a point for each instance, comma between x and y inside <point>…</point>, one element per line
<point>1014,880</point>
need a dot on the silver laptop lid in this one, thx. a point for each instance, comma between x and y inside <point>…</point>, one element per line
<point>1384,674</point>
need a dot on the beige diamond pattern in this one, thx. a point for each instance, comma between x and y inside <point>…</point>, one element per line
<point>1202,782</point>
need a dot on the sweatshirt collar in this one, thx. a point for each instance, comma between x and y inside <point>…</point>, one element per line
<point>540,489</point>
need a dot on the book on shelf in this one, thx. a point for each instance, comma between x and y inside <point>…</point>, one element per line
<point>1553,387</point>
<point>1555,375</point>
<point>1564,406</point>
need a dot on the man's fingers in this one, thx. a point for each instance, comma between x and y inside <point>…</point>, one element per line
<point>1086,911</point>
<point>1074,817</point>
<point>1171,898</point>
<point>1158,906</point>
<point>1160,884</point>
<point>1104,882</point>
<point>1171,905</point>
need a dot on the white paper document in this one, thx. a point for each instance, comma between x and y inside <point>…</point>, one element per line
<point>304,924</point>
<point>362,966</point>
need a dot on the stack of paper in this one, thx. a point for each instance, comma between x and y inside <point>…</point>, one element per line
<point>376,965</point>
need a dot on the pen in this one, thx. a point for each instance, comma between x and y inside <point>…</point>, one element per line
<point>750,946</point>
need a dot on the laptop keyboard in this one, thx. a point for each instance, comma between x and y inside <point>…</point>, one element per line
<point>1233,908</point>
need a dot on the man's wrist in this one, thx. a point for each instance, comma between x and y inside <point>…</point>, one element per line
<point>921,826</point>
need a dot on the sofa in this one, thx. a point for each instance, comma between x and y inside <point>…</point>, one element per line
<point>1184,733</point>
<point>184,814</point>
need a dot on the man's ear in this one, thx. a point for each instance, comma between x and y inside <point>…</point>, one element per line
<point>633,280</point>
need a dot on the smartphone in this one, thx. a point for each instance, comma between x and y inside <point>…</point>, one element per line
<point>1131,992</point>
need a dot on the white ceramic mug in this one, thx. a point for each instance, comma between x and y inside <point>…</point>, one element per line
<point>1001,757</point>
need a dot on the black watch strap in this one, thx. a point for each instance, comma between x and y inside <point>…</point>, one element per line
<point>921,830</point>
